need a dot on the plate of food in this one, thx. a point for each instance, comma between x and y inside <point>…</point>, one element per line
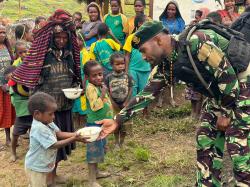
<point>92,133</point>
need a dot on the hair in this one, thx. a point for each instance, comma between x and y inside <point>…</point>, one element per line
<point>215,17</point>
<point>142,1</point>
<point>114,56</point>
<point>141,18</point>
<point>165,31</point>
<point>20,30</point>
<point>199,12</point>
<point>38,19</point>
<point>102,29</point>
<point>20,43</point>
<point>9,70</point>
<point>78,13</point>
<point>40,101</point>
<point>97,8</point>
<point>118,1</point>
<point>90,64</point>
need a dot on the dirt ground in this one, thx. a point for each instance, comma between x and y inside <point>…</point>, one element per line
<point>159,152</point>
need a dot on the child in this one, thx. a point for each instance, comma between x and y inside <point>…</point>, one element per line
<point>119,85</point>
<point>19,99</point>
<point>99,108</point>
<point>45,139</point>
<point>80,107</point>
<point>116,21</point>
<point>104,48</point>
<point>23,32</point>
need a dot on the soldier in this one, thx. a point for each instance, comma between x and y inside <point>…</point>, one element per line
<point>225,113</point>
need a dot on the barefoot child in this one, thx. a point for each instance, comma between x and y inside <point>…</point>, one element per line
<point>45,139</point>
<point>119,85</point>
<point>100,108</point>
<point>19,99</point>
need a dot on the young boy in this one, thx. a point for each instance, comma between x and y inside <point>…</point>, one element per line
<point>100,108</point>
<point>104,48</point>
<point>19,99</point>
<point>119,85</point>
<point>117,22</point>
<point>45,139</point>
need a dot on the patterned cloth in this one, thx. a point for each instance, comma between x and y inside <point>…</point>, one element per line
<point>7,111</point>
<point>119,85</point>
<point>28,73</point>
<point>5,61</point>
<point>233,101</point>
<point>190,94</point>
<point>98,108</point>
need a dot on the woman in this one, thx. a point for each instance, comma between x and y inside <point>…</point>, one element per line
<point>7,112</point>
<point>53,64</point>
<point>89,29</point>
<point>228,15</point>
<point>139,7</point>
<point>171,18</point>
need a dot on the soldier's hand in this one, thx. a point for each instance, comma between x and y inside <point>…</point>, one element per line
<point>223,123</point>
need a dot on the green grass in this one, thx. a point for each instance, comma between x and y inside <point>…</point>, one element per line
<point>33,8</point>
<point>166,181</point>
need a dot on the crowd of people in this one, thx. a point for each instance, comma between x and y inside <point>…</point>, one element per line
<point>110,57</point>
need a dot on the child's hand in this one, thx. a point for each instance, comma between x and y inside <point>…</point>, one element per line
<point>79,138</point>
<point>104,89</point>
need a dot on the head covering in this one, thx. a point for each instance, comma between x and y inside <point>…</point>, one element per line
<point>164,13</point>
<point>147,31</point>
<point>94,4</point>
<point>28,73</point>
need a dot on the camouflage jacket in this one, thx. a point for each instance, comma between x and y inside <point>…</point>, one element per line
<point>213,58</point>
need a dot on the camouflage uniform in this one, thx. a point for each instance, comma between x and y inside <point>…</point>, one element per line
<point>210,141</point>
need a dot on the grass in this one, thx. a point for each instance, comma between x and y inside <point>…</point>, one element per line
<point>33,8</point>
<point>160,152</point>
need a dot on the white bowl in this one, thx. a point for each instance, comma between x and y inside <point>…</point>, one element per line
<point>92,133</point>
<point>72,93</point>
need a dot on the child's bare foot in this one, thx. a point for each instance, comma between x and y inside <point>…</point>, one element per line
<point>100,175</point>
<point>94,184</point>
<point>13,158</point>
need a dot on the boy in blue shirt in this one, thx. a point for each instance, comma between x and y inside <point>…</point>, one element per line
<point>40,160</point>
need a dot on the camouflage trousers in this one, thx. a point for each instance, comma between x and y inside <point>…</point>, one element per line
<point>210,148</point>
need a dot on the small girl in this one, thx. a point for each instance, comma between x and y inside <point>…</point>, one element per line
<point>100,108</point>
<point>116,21</point>
<point>45,139</point>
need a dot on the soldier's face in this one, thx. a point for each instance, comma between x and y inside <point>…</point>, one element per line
<point>153,51</point>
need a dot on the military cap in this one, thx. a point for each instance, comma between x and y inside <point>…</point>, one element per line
<point>147,31</point>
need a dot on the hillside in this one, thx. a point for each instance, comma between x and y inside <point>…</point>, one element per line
<point>33,8</point>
